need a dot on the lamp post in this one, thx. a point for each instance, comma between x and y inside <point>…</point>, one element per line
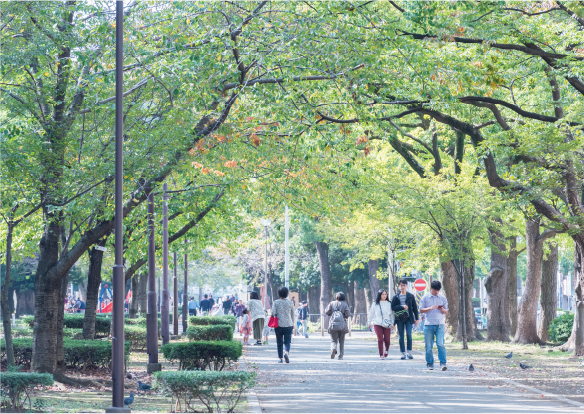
<point>175,297</point>
<point>185,297</point>
<point>287,251</point>
<point>266,223</point>
<point>152,313</point>
<point>164,310</point>
<point>118,278</point>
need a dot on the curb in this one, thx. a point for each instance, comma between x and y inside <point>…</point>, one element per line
<point>253,403</point>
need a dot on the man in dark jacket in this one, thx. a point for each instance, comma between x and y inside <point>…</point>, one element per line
<point>303,317</point>
<point>405,309</point>
<point>205,305</point>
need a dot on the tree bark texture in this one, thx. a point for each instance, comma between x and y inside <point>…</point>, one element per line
<point>61,321</point>
<point>368,295</point>
<point>549,287</point>
<point>133,308</point>
<point>496,282</point>
<point>6,323</point>
<point>576,340</point>
<point>351,296</point>
<point>527,308</point>
<point>93,283</point>
<point>142,293</point>
<point>449,280</point>
<point>472,332</point>
<point>512,284</point>
<point>325,277</point>
<point>25,303</point>
<point>373,267</point>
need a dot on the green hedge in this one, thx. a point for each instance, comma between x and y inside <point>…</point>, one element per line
<point>210,333</point>
<point>213,320</point>
<point>72,333</point>
<point>206,391</point>
<point>136,334</point>
<point>561,328</point>
<point>78,353</point>
<point>75,321</point>
<point>203,355</point>
<point>14,384</point>
<point>24,332</point>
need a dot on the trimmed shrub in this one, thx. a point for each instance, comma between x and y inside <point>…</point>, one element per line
<point>138,321</point>
<point>25,332</point>
<point>206,391</point>
<point>561,328</point>
<point>15,384</point>
<point>136,334</point>
<point>213,320</point>
<point>27,320</point>
<point>72,333</point>
<point>78,353</point>
<point>210,333</point>
<point>75,321</point>
<point>203,355</point>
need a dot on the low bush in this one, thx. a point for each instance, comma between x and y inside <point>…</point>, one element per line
<point>28,320</point>
<point>75,321</point>
<point>210,333</point>
<point>210,391</point>
<point>213,320</point>
<point>78,353</point>
<point>138,321</point>
<point>24,332</point>
<point>203,355</point>
<point>561,328</point>
<point>72,333</point>
<point>136,334</point>
<point>17,385</point>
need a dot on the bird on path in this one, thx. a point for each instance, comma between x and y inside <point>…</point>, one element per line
<point>471,368</point>
<point>144,387</point>
<point>509,356</point>
<point>523,366</point>
<point>130,400</point>
<point>129,375</point>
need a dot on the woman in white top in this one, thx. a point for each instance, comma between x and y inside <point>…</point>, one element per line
<point>256,309</point>
<point>381,318</point>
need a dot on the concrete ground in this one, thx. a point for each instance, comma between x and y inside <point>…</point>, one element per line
<point>313,383</point>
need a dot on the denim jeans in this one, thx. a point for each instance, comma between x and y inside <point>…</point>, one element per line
<point>283,339</point>
<point>429,332</point>
<point>407,324</point>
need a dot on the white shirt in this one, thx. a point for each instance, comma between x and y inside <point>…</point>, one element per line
<point>376,311</point>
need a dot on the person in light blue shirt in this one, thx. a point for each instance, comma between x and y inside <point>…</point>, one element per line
<point>434,306</point>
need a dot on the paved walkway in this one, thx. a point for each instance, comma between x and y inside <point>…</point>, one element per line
<point>313,383</point>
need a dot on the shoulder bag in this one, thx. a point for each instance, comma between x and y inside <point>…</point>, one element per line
<point>386,323</point>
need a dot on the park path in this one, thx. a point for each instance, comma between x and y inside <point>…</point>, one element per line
<point>313,383</point>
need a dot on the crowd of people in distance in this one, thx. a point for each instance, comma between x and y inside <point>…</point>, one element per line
<point>73,305</point>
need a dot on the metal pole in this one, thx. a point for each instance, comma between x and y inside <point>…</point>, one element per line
<point>164,309</point>
<point>175,297</point>
<point>118,279</point>
<point>287,252</point>
<point>266,272</point>
<point>185,297</point>
<point>152,315</point>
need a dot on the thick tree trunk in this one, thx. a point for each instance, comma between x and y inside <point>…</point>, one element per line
<point>472,332</point>
<point>368,297</point>
<point>351,296</point>
<point>5,303</point>
<point>449,280</point>
<point>512,284</point>
<point>60,322</point>
<point>576,341</point>
<point>325,277</point>
<point>142,293</point>
<point>373,267</point>
<point>93,282</point>
<point>549,287</point>
<point>498,326</point>
<point>133,308</point>
<point>25,303</point>
<point>527,309</point>
<point>360,302</point>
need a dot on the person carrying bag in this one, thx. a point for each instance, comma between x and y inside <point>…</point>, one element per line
<point>339,312</point>
<point>381,318</point>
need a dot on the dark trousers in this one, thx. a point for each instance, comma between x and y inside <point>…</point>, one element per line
<point>192,312</point>
<point>383,337</point>
<point>407,324</point>
<point>283,339</point>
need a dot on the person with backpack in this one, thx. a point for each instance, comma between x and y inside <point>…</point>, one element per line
<point>339,312</point>
<point>406,315</point>
<point>381,318</point>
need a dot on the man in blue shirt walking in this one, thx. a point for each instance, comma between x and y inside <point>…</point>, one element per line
<point>434,305</point>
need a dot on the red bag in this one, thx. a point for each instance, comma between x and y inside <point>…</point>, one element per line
<point>273,322</point>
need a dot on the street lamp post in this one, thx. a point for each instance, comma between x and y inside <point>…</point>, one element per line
<point>185,297</point>
<point>118,278</point>
<point>287,251</point>
<point>266,223</point>
<point>152,313</point>
<point>164,310</point>
<point>175,296</point>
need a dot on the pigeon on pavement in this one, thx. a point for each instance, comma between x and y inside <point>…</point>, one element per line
<point>523,366</point>
<point>471,368</point>
<point>509,356</point>
<point>144,387</point>
<point>130,400</point>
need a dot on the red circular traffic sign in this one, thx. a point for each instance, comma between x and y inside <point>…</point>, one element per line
<point>420,285</point>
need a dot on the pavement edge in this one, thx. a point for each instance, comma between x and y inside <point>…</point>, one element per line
<point>253,403</point>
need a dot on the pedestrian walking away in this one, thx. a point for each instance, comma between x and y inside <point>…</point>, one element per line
<point>245,327</point>
<point>205,305</point>
<point>303,317</point>
<point>405,311</point>
<point>339,312</point>
<point>226,305</point>
<point>434,305</point>
<point>256,309</point>
<point>266,330</point>
<point>238,312</point>
<point>381,318</point>
<point>193,305</point>
<point>283,309</point>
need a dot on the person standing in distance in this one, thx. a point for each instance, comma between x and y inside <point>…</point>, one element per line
<point>303,317</point>
<point>283,309</point>
<point>405,310</point>
<point>381,318</point>
<point>434,305</point>
<point>205,305</point>
<point>257,312</point>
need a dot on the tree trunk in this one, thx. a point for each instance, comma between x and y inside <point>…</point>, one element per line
<point>360,302</point>
<point>373,267</point>
<point>368,295</point>
<point>60,322</point>
<point>576,341</point>
<point>93,282</point>
<point>133,308</point>
<point>6,323</point>
<point>549,287</point>
<point>351,296</point>
<point>450,290</point>
<point>496,283</point>
<point>472,332</point>
<point>527,309</point>
<point>512,284</point>
<point>25,303</point>
<point>325,277</point>
<point>142,293</point>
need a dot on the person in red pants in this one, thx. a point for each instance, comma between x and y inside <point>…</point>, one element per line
<point>381,319</point>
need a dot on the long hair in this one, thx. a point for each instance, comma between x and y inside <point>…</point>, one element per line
<point>254,295</point>
<point>378,299</point>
